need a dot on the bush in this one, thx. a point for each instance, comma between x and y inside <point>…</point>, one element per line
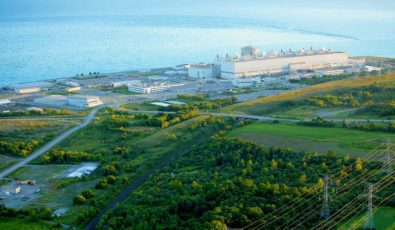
<point>102,184</point>
<point>88,193</point>
<point>79,200</point>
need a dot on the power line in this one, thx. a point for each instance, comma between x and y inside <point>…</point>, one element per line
<point>367,156</point>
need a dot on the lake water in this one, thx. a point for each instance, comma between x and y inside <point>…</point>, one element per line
<point>45,48</point>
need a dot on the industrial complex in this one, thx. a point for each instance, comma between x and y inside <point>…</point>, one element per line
<point>252,68</point>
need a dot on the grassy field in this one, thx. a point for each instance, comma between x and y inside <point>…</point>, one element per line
<point>383,220</point>
<point>254,106</point>
<point>18,224</point>
<point>7,161</point>
<point>20,130</point>
<point>140,106</point>
<point>320,139</point>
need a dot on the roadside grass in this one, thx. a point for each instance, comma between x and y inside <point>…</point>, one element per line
<point>24,130</point>
<point>255,106</point>
<point>383,220</point>
<point>7,161</point>
<point>321,139</point>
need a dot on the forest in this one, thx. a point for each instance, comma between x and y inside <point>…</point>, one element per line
<point>233,183</point>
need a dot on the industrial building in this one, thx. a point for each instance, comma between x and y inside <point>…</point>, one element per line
<point>73,89</point>
<point>27,90</point>
<point>124,83</point>
<point>84,101</point>
<point>253,63</point>
<point>52,100</point>
<point>147,88</point>
<point>203,71</point>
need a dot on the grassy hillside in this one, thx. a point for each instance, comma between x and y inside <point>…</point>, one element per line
<point>254,106</point>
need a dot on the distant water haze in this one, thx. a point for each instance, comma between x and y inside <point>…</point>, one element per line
<point>43,43</point>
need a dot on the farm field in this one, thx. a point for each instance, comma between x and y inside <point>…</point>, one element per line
<point>383,220</point>
<point>320,139</point>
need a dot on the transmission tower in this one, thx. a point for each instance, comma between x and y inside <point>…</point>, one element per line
<point>325,213</point>
<point>369,223</point>
<point>387,165</point>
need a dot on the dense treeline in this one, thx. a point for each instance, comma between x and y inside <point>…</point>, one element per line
<point>365,126</point>
<point>123,119</point>
<point>230,183</point>
<point>166,119</point>
<point>61,157</point>
<point>45,112</point>
<point>202,105</point>
<point>23,148</point>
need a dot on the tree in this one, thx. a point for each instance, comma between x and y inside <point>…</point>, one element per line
<point>88,193</point>
<point>302,179</point>
<point>79,200</point>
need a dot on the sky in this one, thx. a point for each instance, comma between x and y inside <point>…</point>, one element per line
<point>245,8</point>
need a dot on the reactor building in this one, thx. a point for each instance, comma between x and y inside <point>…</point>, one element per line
<point>252,63</point>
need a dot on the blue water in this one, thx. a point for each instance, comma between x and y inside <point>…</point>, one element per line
<point>44,48</point>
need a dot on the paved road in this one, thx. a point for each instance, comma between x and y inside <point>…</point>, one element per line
<point>50,144</point>
<point>262,118</point>
<point>330,113</point>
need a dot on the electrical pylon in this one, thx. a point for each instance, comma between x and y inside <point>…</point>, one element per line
<point>369,223</point>
<point>387,165</point>
<point>325,213</point>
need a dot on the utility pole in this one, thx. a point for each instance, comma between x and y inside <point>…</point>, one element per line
<point>325,213</point>
<point>387,165</point>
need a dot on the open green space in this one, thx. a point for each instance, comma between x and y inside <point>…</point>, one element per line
<point>7,161</point>
<point>21,137</point>
<point>18,224</point>
<point>384,219</point>
<point>140,106</point>
<point>260,105</point>
<point>319,139</point>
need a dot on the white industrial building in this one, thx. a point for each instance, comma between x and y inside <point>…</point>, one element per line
<point>27,90</point>
<point>253,63</point>
<point>5,101</point>
<point>146,88</point>
<point>84,101</point>
<point>124,83</point>
<point>203,71</point>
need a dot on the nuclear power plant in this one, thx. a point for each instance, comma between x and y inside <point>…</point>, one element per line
<point>253,65</point>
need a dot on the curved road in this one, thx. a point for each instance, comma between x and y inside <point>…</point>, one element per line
<point>49,145</point>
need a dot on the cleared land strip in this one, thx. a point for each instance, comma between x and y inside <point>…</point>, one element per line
<point>49,145</point>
